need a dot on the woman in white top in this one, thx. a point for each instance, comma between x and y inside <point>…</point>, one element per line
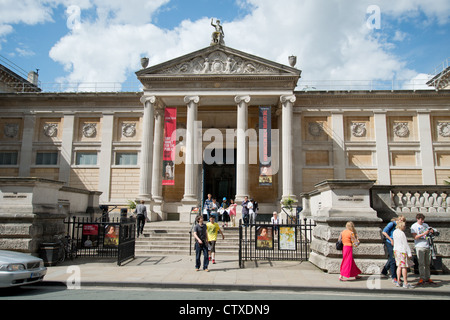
<point>402,253</point>
<point>251,211</point>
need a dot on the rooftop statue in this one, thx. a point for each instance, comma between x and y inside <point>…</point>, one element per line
<point>218,35</point>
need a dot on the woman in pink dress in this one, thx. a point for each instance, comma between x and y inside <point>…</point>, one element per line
<point>232,212</point>
<point>348,266</point>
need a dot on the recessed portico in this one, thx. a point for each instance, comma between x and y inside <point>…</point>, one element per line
<point>217,88</point>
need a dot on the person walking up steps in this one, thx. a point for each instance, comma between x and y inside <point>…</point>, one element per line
<point>213,228</point>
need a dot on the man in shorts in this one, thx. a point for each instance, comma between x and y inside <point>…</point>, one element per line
<point>213,228</point>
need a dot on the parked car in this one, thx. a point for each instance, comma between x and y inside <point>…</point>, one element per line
<point>17,269</point>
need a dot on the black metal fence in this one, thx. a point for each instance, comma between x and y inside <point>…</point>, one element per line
<point>109,238</point>
<point>280,242</point>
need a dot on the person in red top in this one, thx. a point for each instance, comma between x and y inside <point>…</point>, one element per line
<point>348,266</point>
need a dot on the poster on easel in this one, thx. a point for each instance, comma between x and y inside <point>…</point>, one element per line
<point>286,238</point>
<point>170,127</point>
<point>264,237</point>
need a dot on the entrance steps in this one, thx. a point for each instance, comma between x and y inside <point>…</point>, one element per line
<point>173,238</point>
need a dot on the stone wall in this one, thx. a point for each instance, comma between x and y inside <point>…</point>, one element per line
<point>32,211</point>
<point>371,207</point>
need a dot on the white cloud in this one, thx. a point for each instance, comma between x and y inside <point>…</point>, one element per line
<point>330,37</point>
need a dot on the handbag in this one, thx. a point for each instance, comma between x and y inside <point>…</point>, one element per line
<point>339,245</point>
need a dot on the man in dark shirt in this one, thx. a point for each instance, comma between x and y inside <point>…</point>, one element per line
<point>201,244</point>
<point>245,212</point>
<point>141,217</point>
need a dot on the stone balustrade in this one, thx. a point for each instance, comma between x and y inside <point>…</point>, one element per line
<point>421,199</point>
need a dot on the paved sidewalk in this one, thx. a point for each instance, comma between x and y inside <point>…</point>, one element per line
<point>178,272</point>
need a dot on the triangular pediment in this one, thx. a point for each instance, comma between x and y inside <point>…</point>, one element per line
<point>219,61</point>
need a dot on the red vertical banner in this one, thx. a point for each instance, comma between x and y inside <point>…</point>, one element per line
<point>170,127</point>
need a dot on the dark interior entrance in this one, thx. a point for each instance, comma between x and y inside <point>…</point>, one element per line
<point>219,179</point>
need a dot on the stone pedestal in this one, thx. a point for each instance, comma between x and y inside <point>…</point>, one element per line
<point>30,213</point>
<point>331,206</point>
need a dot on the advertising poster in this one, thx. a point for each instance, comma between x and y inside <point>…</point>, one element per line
<point>89,237</point>
<point>111,236</point>
<point>287,238</point>
<point>170,127</point>
<point>264,238</point>
<point>265,148</point>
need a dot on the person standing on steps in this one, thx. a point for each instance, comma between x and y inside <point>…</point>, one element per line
<point>201,244</point>
<point>388,233</point>
<point>207,206</point>
<point>233,212</point>
<point>245,212</point>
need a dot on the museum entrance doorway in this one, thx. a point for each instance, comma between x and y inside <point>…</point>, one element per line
<point>219,176</point>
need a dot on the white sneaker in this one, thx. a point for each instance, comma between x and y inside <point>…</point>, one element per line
<point>408,286</point>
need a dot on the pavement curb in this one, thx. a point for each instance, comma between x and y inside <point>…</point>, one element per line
<point>247,288</point>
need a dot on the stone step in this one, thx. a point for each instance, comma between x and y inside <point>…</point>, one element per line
<point>172,238</point>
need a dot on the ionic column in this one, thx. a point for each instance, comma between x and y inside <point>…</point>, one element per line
<point>190,191</point>
<point>145,181</point>
<point>242,148</point>
<point>287,105</point>
<point>157,155</point>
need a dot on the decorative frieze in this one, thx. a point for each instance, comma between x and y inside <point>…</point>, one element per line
<point>219,62</point>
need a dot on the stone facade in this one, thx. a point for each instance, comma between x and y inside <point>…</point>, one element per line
<point>109,142</point>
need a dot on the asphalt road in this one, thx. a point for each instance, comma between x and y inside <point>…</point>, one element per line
<point>108,293</point>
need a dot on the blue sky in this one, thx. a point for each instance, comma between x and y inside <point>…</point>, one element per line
<point>330,37</point>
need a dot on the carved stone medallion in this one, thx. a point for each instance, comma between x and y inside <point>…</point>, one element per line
<point>359,129</point>
<point>11,130</point>
<point>401,129</point>
<point>444,129</point>
<point>315,129</point>
<point>90,130</point>
<point>129,130</point>
<point>51,130</point>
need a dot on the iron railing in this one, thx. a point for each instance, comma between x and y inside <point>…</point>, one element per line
<point>114,238</point>
<point>276,242</point>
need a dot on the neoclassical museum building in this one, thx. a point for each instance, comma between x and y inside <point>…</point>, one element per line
<point>223,122</point>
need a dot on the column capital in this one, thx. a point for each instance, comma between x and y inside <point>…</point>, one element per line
<point>239,99</point>
<point>189,99</point>
<point>288,98</point>
<point>151,99</point>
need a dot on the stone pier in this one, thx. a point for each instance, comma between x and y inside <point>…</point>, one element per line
<point>331,205</point>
